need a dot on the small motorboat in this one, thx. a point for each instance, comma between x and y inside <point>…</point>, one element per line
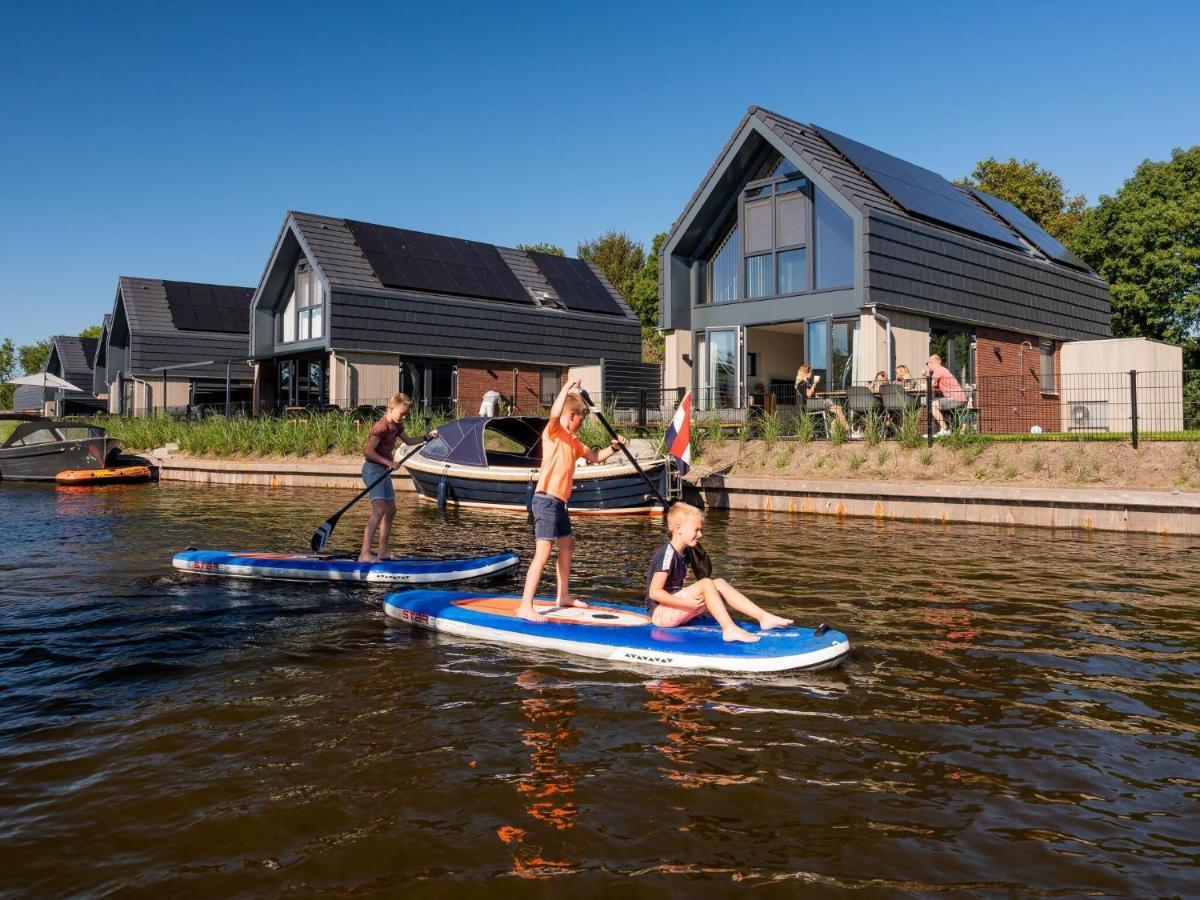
<point>41,449</point>
<point>493,463</point>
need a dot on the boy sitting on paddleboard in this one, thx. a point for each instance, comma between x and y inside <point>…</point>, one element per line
<point>379,452</point>
<point>551,521</point>
<point>671,604</point>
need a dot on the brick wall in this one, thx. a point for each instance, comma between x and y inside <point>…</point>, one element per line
<point>476,378</point>
<point>1008,383</point>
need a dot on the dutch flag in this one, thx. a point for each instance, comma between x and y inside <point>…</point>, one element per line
<point>679,436</point>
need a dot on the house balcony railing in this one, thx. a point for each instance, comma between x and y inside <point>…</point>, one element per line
<point>1094,406</point>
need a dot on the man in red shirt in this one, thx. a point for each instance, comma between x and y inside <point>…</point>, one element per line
<point>948,393</point>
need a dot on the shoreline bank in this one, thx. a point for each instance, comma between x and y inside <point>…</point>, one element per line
<point>1167,512</point>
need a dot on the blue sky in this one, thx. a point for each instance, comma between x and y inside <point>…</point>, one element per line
<point>168,139</point>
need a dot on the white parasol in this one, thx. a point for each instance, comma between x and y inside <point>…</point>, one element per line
<point>45,380</point>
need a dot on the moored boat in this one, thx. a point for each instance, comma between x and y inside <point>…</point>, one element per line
<point>493,463</point>
<point>41,449</point>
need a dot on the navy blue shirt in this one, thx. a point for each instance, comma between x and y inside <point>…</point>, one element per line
<point>674,564</point>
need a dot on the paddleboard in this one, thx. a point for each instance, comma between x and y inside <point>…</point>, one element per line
<point>621,634</point>
<point>329,567</point>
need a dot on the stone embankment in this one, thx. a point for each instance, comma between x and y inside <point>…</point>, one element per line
<point>1169,512</point>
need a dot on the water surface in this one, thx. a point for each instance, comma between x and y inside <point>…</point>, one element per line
<point>1019,716</point>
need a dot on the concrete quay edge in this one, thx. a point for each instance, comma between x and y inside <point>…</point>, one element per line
<point>1156,512</point>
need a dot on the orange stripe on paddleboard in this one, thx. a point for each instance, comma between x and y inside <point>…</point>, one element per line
<point>507,608</point>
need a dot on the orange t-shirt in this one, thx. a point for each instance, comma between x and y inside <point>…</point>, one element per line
<point>560,449</point>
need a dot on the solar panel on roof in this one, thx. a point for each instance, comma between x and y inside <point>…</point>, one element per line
<point>209,307</point>
<point>1030,230</point>
<point>431,262</point>
<point>920,191</point>
<point>576,284</point>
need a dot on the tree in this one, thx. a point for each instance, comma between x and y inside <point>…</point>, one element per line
<point>33,356</point>
<point>92,331</point>
<point>8,369</point>
<point>1145,241</point>
<point>1037,192</point>
<point>552,249</point>
<point>619,257</point>
<point>643,300</point>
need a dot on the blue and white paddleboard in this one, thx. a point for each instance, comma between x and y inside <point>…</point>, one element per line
<point>615,633</point>
<point>325,567</point>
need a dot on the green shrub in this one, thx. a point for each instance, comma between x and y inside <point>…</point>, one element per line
<point>873,428</point>
<point>909,429</point>
<point>838,434</point>
<point>856,461</point>
<point>925,457</point>
<point>771,427</point>
<point>803,427</point>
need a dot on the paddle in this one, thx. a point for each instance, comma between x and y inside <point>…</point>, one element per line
<point>321,536</point>
<point>701,564</point>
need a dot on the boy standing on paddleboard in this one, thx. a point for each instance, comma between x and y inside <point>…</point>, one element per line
<point>379,452</point>
<point>670,604</point>
<point>551,521</point>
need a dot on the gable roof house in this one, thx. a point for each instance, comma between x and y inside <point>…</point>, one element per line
<point>804,246</point>
<point>70,359</point>
<point>99,368</point>
<point>348,313</point>
<point>180,337</point>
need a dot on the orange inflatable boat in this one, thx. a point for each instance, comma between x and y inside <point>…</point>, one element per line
<point>124,474</point>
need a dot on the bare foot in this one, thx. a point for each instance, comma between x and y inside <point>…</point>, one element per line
<point>367,558</point>
<point>529,614</point>
<point>741,635</point>
<point>767,622</point>
<point>571,601</point>
<point>384,557</point>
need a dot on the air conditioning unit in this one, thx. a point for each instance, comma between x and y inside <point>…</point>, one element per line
<point>1088,415</point>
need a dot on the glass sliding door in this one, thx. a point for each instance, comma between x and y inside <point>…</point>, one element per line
<point>724,372</point>
<point>816,344</point>
<point>843,350</point>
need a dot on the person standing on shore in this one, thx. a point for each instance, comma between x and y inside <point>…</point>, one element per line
<point>379,452</point>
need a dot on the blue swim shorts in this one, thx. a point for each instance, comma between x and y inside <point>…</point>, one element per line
<point>550,518</point>
<point>383,490</point>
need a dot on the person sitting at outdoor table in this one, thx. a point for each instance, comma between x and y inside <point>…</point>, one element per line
<point>878,381</point>
<point>806,387</point>
<point>904,378</point>
<point>949,393</point>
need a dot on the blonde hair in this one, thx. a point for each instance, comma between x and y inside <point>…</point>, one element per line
<point>400,400</point>
<point>804,370</point>
<point>902,371</point>
<point>681,512</point>
<point>575,404</point>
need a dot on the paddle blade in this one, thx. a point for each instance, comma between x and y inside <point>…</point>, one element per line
<point>701,564</point>
<point>321,536</point>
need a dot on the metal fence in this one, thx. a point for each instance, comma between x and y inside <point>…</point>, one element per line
<point>1133,406</point>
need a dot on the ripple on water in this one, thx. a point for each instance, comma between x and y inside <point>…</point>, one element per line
<point>1019,715</point>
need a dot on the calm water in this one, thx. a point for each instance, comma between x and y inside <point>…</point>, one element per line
<point>1019,715</point>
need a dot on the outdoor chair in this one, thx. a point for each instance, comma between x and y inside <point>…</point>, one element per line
<point>896,402</point>
<point>859,402</point>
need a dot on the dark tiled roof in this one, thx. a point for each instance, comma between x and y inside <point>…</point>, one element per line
<point>74,356</point>
<point>156,340</point>
<point>332,245</point>
<point>807,142</point>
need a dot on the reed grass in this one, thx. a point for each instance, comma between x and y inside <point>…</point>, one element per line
<point>316,434</point>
